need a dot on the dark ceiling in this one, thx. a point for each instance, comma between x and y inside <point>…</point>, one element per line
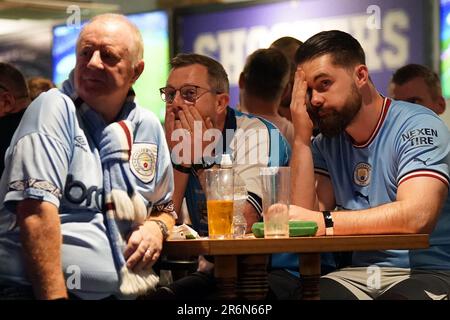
<point>62,9</point>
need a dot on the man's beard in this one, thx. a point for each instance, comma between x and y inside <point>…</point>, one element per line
<point>335,122</point>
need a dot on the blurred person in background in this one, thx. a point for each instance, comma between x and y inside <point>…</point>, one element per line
<point>287,45</point>
<point>14,99</point>
<point>418,84</point>
<point>262,85</point>
<point>37,85</point>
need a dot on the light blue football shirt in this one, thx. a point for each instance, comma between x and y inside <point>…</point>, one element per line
<point>409,141</point>
<point>53,158</point>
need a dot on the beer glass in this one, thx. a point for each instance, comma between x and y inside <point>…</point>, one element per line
<point>219,202</point>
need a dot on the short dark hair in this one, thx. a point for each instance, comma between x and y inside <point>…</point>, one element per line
<point>285,43</point>
<point>218,78</point>
<point>12,79</point>
<point>289,46</point>
<point>266,73</point>
<point>345,50</point>
<point>411,71</point>
<point>37,85</point>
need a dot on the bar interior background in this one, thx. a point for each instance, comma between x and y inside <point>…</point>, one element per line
<point>393,32</point>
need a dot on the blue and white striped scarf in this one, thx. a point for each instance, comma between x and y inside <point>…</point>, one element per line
<point>124,207</point>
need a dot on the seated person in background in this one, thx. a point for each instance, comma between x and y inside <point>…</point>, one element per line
<point>197,96</point>
<point>86,192</point>
<point>14,99</point>
<point>287,45</point>
<point>262,84</point>
<point>383,163</point>
<point>417,84</point>
<point>37,85</point>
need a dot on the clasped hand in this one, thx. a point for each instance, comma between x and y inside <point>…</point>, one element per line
<point>144,246</point>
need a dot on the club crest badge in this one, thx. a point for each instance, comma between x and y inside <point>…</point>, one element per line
<point>362,173</point>
<point>143,161</point>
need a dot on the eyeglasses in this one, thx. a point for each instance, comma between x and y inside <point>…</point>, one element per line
<point>189,93</point>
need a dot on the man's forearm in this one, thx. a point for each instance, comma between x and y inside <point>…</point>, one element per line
<point>416,210</point>
<point>390,218</point>
<point>303,189</point>
<point>180,182</point>
<point>40,234</point>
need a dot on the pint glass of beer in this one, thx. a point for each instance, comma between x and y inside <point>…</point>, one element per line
<point>219,202</point>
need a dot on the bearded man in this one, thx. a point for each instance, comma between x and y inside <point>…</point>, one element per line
<point>379,166</point>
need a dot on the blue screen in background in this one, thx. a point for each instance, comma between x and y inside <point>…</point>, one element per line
<point>154,27</point>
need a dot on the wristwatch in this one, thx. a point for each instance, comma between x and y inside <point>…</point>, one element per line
<point>329,224</point>
<point>163,227</point>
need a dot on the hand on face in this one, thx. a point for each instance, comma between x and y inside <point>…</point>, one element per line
<point>303,125</point>
<point>191,126</point>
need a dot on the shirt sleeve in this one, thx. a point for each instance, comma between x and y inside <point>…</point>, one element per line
<point>38,158</point>
<point>423,149</point>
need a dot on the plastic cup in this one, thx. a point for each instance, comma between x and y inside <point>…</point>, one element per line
<point>275,198</point>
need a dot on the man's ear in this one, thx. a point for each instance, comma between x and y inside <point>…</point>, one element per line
<point>138,69</point>
<point>440,104</point>
<point>362,75</point>
<point>9,102</point>
<point>222,101</point>
<point>241,81</point>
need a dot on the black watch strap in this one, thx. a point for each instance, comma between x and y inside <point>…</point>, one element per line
<point>329,224</point>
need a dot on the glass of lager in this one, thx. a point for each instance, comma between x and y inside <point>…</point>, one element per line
<point>219,202</point>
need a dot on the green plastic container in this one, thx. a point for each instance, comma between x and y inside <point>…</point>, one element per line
<point>296,229</point>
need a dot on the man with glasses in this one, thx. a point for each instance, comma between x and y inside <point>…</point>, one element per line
<point>14,99</point>
<point>200,127</point>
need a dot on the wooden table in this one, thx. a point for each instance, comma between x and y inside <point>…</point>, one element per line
<point>256,250</point>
